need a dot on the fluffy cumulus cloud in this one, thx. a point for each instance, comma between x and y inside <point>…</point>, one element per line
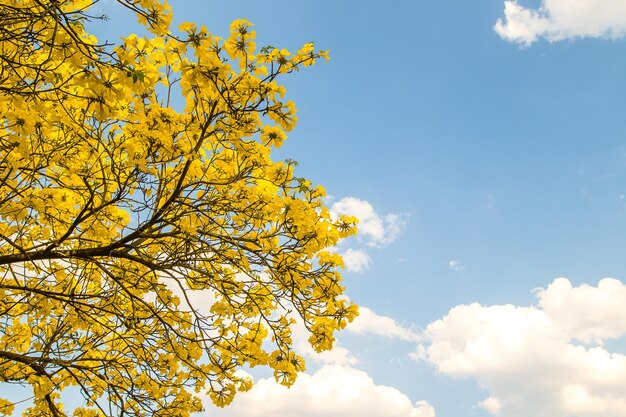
<point>333,391</point>
<point>543,360</point>
<point>557,20</point>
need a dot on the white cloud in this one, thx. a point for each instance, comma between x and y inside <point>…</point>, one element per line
<point>377,230</point>
<point>530,359</point>
<point>374,230</point>
<point>333,391</point>
<point>369,322</point>
<point>491,404</point>
<point>456,265</point>
<point>586,313</point>
<point>556,20</point>
<point>356,260</point>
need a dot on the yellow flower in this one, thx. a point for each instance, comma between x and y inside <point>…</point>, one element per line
<point>240,43</point>
<point>187,27</point>
<point>273,135</point>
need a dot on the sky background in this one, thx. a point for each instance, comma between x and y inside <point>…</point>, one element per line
<point>482,145</point>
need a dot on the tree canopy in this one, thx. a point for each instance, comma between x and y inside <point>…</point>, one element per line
<point>150,251</point>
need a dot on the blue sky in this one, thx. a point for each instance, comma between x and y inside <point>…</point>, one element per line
<point>486,162</point>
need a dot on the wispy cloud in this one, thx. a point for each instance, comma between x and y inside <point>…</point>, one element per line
<point>369,322</point>
<point>491,201</point>
<point>456,265</point>
<point>375,231</point>
<point>546,360</point>
<point>557,20</point>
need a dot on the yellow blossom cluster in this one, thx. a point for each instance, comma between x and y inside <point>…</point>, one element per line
<point>119,211</point>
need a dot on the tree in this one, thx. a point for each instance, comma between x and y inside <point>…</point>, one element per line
<point>148,253</point>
